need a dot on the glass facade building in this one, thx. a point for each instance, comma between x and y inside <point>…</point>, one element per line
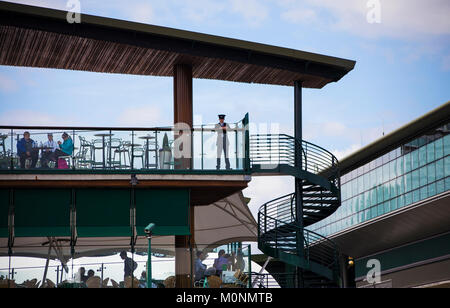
<point>414,171</point>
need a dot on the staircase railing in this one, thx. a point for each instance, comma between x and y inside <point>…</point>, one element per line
<point>280,149</point>
<point>284,236</point>
<point>280,233</point>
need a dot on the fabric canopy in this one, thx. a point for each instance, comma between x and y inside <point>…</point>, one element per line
<point>228,220</point>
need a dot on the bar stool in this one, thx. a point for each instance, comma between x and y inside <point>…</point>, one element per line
<point>139,152</point>
<point>114,145</point>
<point>97,145</point>
<point>125,151</point>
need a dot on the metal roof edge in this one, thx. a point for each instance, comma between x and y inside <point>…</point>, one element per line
<point>182,34</point>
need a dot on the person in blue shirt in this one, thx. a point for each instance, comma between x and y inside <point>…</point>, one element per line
<point>65,148</point>
<point>200,268</point>
<point>25,149</point>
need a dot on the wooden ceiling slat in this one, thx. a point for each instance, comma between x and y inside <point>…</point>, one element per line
<point>29,47</point>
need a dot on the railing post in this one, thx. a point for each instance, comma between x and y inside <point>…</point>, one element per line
<point>276,235</point>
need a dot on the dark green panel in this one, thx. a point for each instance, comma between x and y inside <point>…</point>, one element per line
<point>4,210</point>
<point>42,212</point>
<point>168,209</point>
<point>421,251</point>
<point>103,212</point>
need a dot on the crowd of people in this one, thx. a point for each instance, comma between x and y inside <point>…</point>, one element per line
<point>27,148</point>
<point>224,262</point>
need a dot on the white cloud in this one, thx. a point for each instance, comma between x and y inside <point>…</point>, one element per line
<point>400,18</point>
<point>345,152</point>
<point>299,15</point>
<point>144,116</point>
<point>140,12</point>
<point>265,189</point>
<point>35,118</point>
<point>253,11</point>
<point>7,84</point>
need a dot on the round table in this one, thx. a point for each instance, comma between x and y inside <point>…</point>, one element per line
<point>103,135</point>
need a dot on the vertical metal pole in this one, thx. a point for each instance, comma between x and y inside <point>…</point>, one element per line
<point>57,275</point>
<point>149,263</point>
<point>12,156</point>
<point>298,164</point>
<point>249,266</point>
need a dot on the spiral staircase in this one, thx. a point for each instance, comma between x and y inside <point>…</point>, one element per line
<point>282,221</point>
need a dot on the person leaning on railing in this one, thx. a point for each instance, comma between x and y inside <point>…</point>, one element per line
<point>26,150</point>
<point>65,148</point>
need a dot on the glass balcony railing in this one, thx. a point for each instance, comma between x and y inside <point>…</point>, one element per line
<point>124,149</point>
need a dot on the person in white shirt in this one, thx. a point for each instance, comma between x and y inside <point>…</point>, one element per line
<point>49,154</point>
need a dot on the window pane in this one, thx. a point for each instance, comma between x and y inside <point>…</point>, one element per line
<point>399,166</point>
<point>360,184</point>
<point>407,161</point>
<point>431,170</point>
<point>422,156</point>
<point>447,166</point>
<point>393,204</point>
<point>387,191</point>
<point>392,169</point>
<point>366,182</point>
<point>439,148</point>
<point>385,173</point>
<point>366,200</point>
<point>401,201</point>
<point>373,211</point>
<point>440,186</point>
<point>423,176</point>
<point>373,196</point>
<point>416,195</point>
<point>408,198</point>
<point>415,159</point>
<point>354,187</point>
<point>423,193</point>
<point>408,182</point>
<point>373,179</point>
<point>379,175</point>
<point>415,179</point>
<point>400,185</point>
<point>380,197</point>
<point>439,169</point>
<point>432,190</point>
<point>393,187</point>
<point>447,183</point>
<point>447,145</point>
<point>430,152</point>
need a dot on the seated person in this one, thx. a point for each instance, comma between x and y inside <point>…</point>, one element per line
<point>200,268</point>
<point>49,154</point>
<point>65,148</point>
<point>220,262</point>
<point>25,150</point>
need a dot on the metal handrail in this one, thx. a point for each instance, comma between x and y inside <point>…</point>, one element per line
<point>318,248</point>
<point>283,149</point>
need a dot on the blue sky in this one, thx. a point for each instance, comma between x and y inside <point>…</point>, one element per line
<point>402,72</point>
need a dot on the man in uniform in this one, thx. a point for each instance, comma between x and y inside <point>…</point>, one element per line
<point>222,141</point>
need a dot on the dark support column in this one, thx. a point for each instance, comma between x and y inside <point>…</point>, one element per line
<point>183,110</point>
<point>298,182</point>
<point>183,113</point>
